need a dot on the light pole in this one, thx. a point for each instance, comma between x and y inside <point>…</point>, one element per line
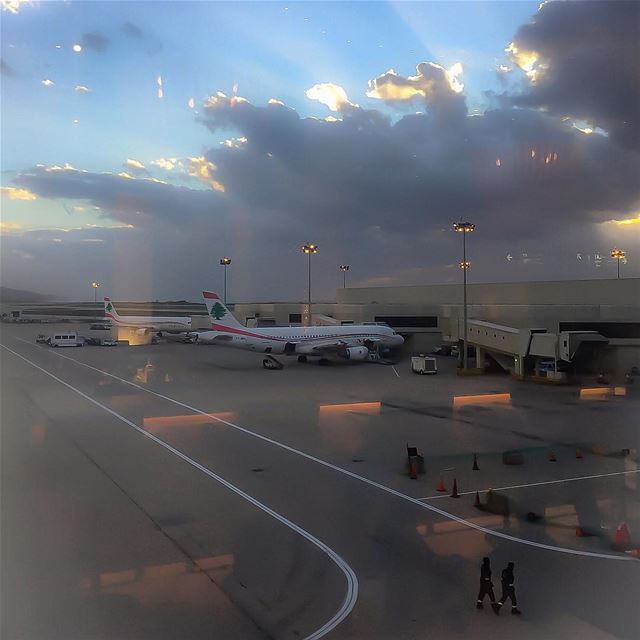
<point>344,268</point>
<point>95,286</point>
<point>309,249</point>
<point>618,254</point>
<point>464,228</point>
<point>225,262</point>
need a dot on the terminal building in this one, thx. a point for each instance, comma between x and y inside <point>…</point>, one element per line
<point>598,319</point>
<point>517,327</point>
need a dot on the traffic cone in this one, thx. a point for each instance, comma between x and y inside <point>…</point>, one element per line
<point>552,457</point>
<point>622,537</point>
<point>454,493</point>
<point>475,463</point>
<point>579,455</point>
<point>440,486</point>
<point>476,503</point>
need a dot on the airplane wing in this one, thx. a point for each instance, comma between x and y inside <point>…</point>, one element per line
<point>213,337</point>
<point>318,347</point>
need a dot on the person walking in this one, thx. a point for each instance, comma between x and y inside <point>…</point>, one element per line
<point>508,590</point>
<point>486,586</point>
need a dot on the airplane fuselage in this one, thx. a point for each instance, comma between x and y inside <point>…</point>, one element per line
<point>303,340</point>
<point>170,325</point>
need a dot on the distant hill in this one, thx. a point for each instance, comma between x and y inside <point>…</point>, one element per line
<point>18,295</point>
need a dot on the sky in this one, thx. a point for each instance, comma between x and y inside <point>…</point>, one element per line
<point>142,141</point>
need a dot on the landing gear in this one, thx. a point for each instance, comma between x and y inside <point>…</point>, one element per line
<point>271,363</point>
<point>323,362</point>
<point>302,358</point>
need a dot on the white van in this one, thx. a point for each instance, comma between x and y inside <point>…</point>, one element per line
<point>424,365</point>
<point>65,340</point>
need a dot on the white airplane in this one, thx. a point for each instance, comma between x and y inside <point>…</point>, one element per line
<point>352,342</point>
<point>147,324</point>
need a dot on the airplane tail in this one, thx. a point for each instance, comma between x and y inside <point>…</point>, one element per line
<point>110,310</point>
<point>221,317</point>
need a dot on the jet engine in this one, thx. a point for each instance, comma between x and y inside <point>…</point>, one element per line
<point>355,353</point>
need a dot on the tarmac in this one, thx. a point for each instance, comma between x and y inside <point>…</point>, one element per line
<point>182,491</point>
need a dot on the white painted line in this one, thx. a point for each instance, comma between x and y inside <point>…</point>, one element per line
<point>352,581</point>
<point>395,370</point>
<point>346,472</point>
<point>538,484</point>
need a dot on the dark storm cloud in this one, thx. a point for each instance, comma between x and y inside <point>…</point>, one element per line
<point>134,201</point>
<point>5,69</point>
<point>588,64</point>
<point>511,168</point>
<point>95,41</point>
<point>132,30</point>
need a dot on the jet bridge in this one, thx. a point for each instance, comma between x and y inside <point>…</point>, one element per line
<point>510,346</point>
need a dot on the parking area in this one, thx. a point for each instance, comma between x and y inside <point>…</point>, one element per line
<point>181,490</point>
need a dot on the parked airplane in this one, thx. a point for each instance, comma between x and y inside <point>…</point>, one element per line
<point>147,324</point>
<point>353,341</point>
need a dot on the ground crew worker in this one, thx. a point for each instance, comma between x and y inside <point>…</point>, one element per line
<point>486,586</point>
<point>508,590</point>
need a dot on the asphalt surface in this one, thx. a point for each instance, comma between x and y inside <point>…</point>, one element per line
<point>182,491</point>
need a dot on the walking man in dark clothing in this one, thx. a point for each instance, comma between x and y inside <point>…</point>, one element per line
<point>508,590</point>
<point>486,586</point>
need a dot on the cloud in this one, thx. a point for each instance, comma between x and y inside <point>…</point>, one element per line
<point>47,83</point>
<point>17,194</point>
<point>625,222</point>
<point>9,226</point>
<point>14,6</point>
<point>329,94</point>
<point>5,69</point>
<point>80,88</point>
<point>514,171</point>
<point>582,60</point>
<point>95,41</point>
<point>135,165</point>
<point>439,89</point>
<point>131,200</point>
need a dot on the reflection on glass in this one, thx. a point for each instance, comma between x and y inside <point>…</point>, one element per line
<point>154,424</point>
<point>487,398</point>
<point>353,407</point>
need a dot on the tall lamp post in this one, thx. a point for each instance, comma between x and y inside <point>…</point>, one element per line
<point>464,228</point>
<point>344,268</point>
<point>94,286</point>
<point>309,249</point>
<point>225,262</point>
<point>618,254</point>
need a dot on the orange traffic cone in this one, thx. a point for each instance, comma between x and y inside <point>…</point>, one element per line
<point>622,537</point>
<point>476,502</point>
<point>552,457</point>
<point>454,493</point>
<point>579,454</point>
<point>475,463</point>
<point>440,486</point>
